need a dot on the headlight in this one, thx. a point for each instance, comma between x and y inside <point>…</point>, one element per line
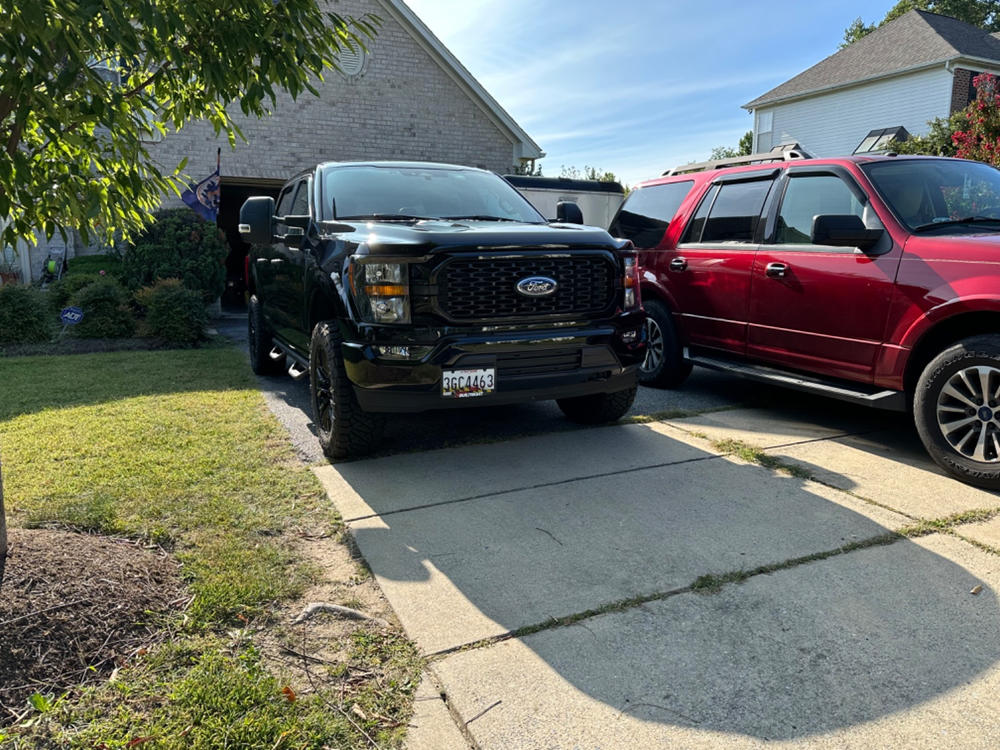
<point>381,291</point>
<point>633,299</point>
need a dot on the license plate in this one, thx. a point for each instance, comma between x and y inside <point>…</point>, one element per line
<point>467,383</point>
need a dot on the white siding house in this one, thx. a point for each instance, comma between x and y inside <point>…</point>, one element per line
<point>912,70</point>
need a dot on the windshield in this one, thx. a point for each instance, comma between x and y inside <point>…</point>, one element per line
<point>409,193</point>
<point>939,196</point>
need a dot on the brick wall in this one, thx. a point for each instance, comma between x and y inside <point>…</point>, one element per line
<point>962,90</point>
<point>402,106</point>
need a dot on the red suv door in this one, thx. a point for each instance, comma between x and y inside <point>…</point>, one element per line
<point>708,273</point>
<point>816,307</point>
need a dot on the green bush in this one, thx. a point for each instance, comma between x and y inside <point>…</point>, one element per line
<point>25,315</point>
<point>178,245</point>
<point>94,264</point>
<point>105,311</point>
<point>174,313</point>
<point>62,291</point>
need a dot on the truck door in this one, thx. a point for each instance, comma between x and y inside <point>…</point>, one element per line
<point>289,280</point>
<point>709,271</point>
<point>816,307</point>
<point>266,262</point>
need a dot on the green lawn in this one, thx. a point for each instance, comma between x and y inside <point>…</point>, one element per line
<point>178,448</point>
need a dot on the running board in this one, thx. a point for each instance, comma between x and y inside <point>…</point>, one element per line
<point>884,399</point>
<point>298,366</point>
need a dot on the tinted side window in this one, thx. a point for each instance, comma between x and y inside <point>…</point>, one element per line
<point>300,206</point>
<point>647,212</point>
<point>736,212</point>
<point>281,210</point>
<point>693,233</point>
<point>808,197</point>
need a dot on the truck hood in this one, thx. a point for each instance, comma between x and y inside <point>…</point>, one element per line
<point>429,236</point>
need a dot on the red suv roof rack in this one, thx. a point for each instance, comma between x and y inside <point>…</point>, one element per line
<point>781,152</point>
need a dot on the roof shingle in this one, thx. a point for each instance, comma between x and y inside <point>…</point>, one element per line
<point>914,39</point>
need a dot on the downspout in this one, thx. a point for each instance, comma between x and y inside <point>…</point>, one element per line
<point>24,253</point>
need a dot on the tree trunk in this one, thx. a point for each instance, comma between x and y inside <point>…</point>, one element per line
<point>3,529</point>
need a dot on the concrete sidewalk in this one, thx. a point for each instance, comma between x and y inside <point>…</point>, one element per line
<point>628,586</point>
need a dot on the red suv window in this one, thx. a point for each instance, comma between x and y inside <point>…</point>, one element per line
<point>647,212</point>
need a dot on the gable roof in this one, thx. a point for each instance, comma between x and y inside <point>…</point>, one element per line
<point>916,39</point>
<point>524,146</point>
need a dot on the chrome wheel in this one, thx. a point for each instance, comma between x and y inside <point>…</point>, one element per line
<point>654,347</point>
<point>968,414</point>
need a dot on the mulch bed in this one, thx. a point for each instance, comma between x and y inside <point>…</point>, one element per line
<point>70,602</point>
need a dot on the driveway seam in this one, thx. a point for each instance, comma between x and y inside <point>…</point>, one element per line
<point>706,584</point>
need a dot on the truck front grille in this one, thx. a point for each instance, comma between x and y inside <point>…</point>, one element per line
<point>485,289</point>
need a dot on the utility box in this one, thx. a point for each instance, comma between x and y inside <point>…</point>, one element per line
<point>599,201</point>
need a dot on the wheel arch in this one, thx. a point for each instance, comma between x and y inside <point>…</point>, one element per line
<point>943,334</point>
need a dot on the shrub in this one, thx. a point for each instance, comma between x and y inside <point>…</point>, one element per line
<point>178,245</point>
<point>94,264</point>
<point>62,291</point>
<point>25,315</point>
<point>105,312</point>
<point>174,313</point>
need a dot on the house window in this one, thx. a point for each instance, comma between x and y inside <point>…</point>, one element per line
<point>765,132</point>
<point>878,140</point>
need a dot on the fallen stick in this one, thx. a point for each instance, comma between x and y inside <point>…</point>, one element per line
<point>336,609</point>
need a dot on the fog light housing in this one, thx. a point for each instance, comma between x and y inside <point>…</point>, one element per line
<point>630,337</point>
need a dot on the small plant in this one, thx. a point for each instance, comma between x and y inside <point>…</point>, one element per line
<point>173,312</point>
<point>25,316</point>
<point>105,312</point>
<point>178,245</point>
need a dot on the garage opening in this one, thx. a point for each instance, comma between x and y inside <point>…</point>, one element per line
<point>234,191</point>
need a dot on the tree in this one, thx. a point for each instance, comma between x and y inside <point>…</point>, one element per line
<point>588,173</point>
<point>979,138</point>
<point>85,84</point>
<point>743,148</point>
<point>984,14</point>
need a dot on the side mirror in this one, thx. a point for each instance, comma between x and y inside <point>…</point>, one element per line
<point>568,212</point>
<point>844,231</point>
<point>257,220</point>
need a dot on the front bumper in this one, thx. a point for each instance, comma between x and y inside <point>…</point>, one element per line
<point>534,365</point>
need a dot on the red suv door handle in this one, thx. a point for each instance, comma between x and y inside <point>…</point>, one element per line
<point>678,264</point>
<point>776,270</point>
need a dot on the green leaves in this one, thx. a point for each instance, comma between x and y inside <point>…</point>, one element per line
<point>85,85</point>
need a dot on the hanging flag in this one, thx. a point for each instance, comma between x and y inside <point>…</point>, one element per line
<point>203,196</point>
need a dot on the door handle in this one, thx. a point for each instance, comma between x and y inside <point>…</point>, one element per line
<point>776,270</point>
<point>678,264</point>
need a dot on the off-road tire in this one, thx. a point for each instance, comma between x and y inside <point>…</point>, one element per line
<point>259,342</point>
<point>975,351</point>
<point>664,367</point>
<point>344,429</point>
<point>598,408</point>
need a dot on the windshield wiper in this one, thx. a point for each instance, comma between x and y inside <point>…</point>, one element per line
<point>953,222</point>
<point>480,217</point>
<point>385,217</point>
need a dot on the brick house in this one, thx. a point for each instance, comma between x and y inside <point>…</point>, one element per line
<point>407,98</point>
<point>911,70</point>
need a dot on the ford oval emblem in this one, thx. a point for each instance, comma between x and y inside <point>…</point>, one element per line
<point>537,286</point>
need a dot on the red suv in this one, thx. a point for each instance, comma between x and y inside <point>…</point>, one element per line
<point>874,279</point>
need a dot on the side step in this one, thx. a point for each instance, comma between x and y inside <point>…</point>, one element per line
<point>298,366</point>
<point>856,393</point>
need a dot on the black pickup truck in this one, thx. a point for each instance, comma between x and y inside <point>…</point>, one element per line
<point>404,287</point>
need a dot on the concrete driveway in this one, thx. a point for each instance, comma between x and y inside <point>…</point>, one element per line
<point>653,584</point>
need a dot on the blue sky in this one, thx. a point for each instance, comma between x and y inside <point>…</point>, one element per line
<point>636,87</point>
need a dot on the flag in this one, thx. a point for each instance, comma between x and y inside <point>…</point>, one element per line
<point>203,196</point>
